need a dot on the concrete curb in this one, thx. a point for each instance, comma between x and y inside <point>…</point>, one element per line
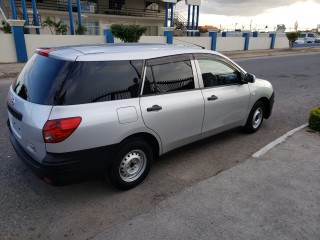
<point>278,141</point>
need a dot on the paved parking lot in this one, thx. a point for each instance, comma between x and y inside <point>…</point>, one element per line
<point>31,209</point>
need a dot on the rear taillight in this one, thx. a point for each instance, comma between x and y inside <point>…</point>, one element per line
<point>55,131</point>
<point>45,51</point>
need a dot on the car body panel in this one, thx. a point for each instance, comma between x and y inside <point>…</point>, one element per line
<point>259,89</point>
<point>228,110</point>
<point>28,130</point>
<point>115,52</point>
<point>100,125</point>
<point>179,121</point>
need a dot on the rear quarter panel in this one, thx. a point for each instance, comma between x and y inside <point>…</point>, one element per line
<point>29,132</point>
<point>100,125</point>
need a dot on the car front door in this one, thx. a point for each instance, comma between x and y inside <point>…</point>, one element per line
<point>226,98</point>
<point>172,104</point>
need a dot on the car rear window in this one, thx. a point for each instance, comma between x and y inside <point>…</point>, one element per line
<point>101,81</point>
<point>41,78</point>
<point>50,81</point>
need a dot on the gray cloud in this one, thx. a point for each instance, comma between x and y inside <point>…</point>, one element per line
<point>243,7</point>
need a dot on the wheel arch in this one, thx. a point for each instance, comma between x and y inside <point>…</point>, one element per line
<point>150,139</point>
<point>266,103</point>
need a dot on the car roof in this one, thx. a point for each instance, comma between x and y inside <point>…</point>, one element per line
<point>132,51</point>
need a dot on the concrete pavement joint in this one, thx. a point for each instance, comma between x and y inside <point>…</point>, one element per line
<point>277,141</point>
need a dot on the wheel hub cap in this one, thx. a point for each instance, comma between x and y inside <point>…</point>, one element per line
<point>132,165</point>
<point>257,118</point>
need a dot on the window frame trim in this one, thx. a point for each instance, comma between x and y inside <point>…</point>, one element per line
<point>208,56</point>
<point>172,59</point>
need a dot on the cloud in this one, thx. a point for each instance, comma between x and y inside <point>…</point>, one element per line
<point>244,7</point>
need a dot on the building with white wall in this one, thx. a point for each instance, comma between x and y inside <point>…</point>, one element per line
<point>97,14</point>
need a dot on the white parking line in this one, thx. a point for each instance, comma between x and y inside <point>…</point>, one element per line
<point>277,141</point>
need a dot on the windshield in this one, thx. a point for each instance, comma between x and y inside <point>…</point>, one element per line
<point>41,78</point>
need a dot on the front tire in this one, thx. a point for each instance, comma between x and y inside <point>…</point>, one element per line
<point>255,118</point>
<point>131,164</point>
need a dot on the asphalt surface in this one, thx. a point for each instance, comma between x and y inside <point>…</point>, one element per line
<point>31,209</point>
<point>274,196</point>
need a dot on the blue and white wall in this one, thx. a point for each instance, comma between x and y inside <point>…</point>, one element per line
<point>8,53</point>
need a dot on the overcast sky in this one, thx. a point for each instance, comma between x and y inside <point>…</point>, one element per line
<point>229,13</point>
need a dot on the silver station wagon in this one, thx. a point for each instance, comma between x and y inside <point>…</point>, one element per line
<point>110,110</point>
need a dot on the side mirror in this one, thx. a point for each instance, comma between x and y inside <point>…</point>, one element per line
<point>249,78</point>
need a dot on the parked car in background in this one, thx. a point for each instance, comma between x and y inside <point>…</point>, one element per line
<point>308,37</point>
<point>110,110</point>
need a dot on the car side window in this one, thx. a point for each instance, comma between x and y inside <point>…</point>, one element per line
<point>217,73</point>
<point>90,82</point>
<point>168,77</point>
<point>310,35</point>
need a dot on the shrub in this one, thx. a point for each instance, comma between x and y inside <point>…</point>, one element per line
<point>314,119</point>
<point>127,33</point>
<point>48,23</point>
<point>292,37</point>
<point>59,27</point>
<point>81,30</point>
<point>6,28</point>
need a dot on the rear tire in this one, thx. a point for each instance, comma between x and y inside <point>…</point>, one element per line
<point>131,164</point>
<point>255,118</point>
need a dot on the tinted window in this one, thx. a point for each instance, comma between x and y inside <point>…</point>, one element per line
<point>303,35</point>
<point>310,35</point>
<point>169,77</point>
<point>41,79</point>
<point>216,73</point>
<point>90,82</point>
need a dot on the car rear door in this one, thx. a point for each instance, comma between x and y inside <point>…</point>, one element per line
<point>30,100</point>
<point>226,98</point>
<point>172,104</point>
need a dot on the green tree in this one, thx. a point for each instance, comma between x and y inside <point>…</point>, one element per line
<point>292,37</point>
<point>6,28</point>
<point>127,33</point>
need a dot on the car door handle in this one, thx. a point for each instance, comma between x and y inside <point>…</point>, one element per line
<point>212,98</point>
<point>154,108</point>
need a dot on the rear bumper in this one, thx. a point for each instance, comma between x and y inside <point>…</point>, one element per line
<point>66,168</point>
